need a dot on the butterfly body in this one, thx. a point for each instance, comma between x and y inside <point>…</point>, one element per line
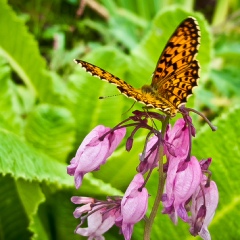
<point>175,75</point>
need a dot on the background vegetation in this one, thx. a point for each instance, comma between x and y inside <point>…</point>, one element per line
<point>48,104</point>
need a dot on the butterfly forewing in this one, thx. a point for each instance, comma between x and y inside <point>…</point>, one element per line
<point>179,52</point>
<point>98,72</point>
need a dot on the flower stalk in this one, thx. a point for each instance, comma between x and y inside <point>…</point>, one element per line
<point>161,180</point>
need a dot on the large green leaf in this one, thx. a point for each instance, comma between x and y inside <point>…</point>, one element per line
<point>51,129</point>
<point>10,117</point>
<point>18,46</point>
<point>20,160</point>
<point>13,218</point>
<point>31,197</point>
<point>223,146</point>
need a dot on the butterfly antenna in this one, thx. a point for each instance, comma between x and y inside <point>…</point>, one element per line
<point>103,97</point>
<point>129,108</point>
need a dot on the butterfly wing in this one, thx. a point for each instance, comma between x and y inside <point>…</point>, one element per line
<point>179,88</point>
<point>100,73</point>
<point>179,52</point>
<point>122,86</point>
<point>177,70</point>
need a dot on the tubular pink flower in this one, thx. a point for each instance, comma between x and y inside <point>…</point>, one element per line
<point>98,224</point>
<point>180,186</point>
<point>176,148</point>
<point>204,204</point>
<point>83,209</point>
<point>149,158</point>
<point>93,152</point>
<point>133,206</point>
<point>100,214</point>
<point>178,139</point>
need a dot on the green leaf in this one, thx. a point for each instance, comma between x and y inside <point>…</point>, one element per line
<point>31,197</point>
<point>21,50</point>
<point>227,81</point>
<point>13,218</point>
<point>9,104</point>
<point>223,146</point>
<point>51,129</point>
<point>22,161</point>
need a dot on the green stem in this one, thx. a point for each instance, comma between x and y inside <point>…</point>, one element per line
<point>161,181</point>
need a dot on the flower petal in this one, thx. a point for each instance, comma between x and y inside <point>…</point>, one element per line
<point>94,152</point>
<point>134,205</point>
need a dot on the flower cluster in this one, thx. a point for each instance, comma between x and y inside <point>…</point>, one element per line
<point>189,193</point>
<point>122,211</point>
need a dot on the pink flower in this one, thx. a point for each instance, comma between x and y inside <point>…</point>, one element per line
<point>94,152</point>
<point>178,140</point>
<point>101,215</point>
<point>83,209</point>
<point>204,204</point>
<point>97,224</point>
<point>133,206</point>
<point>149,159</point>
<point>180,186</point>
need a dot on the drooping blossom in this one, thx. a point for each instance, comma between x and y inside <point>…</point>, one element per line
<point>183,174</point>
<point>133,206</point>
<point>178,139</point>
<point>123,211</point>
<point>204,204</point>
<point>177,147</point>
<point>93,152</point>
<point>100,215</point>
<point>180,186</point>
<point>149,159</point>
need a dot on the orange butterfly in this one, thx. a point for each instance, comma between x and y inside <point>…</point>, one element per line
<point>175,75</point>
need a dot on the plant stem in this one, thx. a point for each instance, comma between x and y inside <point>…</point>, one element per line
<point>161,181</point>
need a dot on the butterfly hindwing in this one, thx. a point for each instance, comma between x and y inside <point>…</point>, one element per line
<point>177,89</point>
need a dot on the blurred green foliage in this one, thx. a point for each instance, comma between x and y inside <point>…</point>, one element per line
<point>48,104</point>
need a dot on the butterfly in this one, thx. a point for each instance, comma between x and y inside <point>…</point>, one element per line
<point>175,75</point>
